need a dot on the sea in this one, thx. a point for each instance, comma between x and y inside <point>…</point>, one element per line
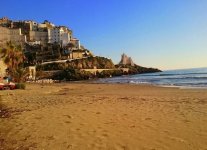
<point>185,78</point>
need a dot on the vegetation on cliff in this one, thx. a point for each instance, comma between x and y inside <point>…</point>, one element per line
<point>85,63</point>
<point>73,70</point>
<point>77,74</point>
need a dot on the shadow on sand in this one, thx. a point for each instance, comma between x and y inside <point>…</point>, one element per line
<point>4,111</point>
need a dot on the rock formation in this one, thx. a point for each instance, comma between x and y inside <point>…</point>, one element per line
<point>125,60</point>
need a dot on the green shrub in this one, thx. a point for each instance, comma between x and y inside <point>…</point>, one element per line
<point>20,86</point>
<point>85,63</point>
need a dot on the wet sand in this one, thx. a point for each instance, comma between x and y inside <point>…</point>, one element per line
<point>84,116</point>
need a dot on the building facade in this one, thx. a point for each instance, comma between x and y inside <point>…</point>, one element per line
<point>33,26</point>
<point>5,22</point>
<point>46,24</point>
<point>76,43</point>
<point>13,35</point>
<point>38,37</point>
<point>32,33</point>
<point>60,35</point>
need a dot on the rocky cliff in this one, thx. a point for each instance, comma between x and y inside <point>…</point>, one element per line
<point>125,60</point>
<point>72,70</point>
<point>85,63</point>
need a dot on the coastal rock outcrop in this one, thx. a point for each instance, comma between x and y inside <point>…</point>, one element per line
<point>125,60</point>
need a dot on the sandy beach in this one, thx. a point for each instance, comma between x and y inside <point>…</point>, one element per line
<point>84,116</point>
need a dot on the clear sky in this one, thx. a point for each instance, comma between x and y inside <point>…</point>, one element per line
<point>167,34</point>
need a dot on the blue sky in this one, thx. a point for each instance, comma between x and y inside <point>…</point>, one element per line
<point>167,34</point>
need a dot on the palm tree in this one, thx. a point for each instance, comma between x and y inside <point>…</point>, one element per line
<point>21,74</point>
<point>13,57</point>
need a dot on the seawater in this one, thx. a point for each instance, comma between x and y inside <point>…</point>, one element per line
<point>182,78</point>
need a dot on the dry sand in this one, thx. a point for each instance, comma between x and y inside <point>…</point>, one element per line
<point>83,116</point>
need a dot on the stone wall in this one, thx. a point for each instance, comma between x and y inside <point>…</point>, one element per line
<point>2,69</point>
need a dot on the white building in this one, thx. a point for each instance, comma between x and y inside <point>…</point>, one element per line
<point>53,35</point>
<point>60,35</point>
<point>34,43</point>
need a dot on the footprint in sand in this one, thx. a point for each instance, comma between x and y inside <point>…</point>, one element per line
<point>68,122</point>
<point>148,118</point>
<point>70,146</point>
<point>105,135</point>
<point>50,137</point>
<point>68,116</point>
<point>121,147</point>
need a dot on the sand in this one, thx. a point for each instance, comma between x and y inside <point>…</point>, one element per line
<point>84,116</point>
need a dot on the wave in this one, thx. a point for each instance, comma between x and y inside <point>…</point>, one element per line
<point>174,74</point>
<point>189,78</point>
<point>138,82</point>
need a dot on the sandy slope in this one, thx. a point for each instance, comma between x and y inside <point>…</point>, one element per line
<point>103,116</point>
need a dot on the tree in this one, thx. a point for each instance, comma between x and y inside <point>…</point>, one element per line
<point>13,57</point>
<point>21,74</point>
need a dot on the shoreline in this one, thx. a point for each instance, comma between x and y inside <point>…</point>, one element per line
<point>138,84</point>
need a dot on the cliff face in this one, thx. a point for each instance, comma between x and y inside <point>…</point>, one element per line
<point>91,63</point>
<point>71,70</point>
<point>125,60</point>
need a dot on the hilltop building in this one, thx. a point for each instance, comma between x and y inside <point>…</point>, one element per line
<point>5,22</point>
<point>25,27</point>
<point>76,43</point>
<point>35,33</point>
<point>38,37</point>
<point>13,35</point>
<point>46,25</point>
<point>61,35</point>
<point>32,25</point>
<point>42,41</point>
